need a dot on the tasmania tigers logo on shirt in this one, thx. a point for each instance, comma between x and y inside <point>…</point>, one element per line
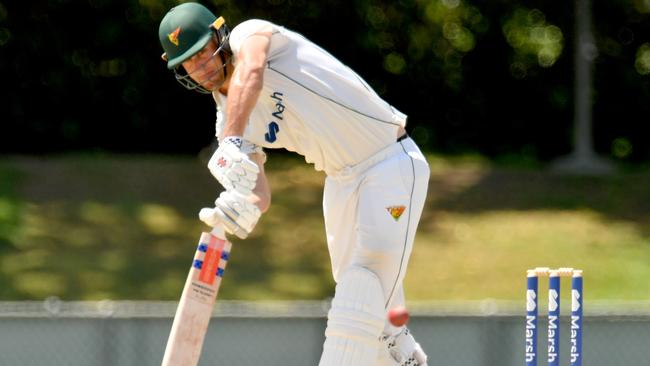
<point>396,211</point>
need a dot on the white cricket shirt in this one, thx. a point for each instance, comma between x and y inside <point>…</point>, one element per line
<point>313,104</point>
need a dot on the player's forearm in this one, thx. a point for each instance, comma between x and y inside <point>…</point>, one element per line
<point>247,80</point>
<point>243,92</point>
<point>261,199</point>
<point>261,196</point>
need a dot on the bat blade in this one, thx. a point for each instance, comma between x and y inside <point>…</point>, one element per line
<point>197,301</point>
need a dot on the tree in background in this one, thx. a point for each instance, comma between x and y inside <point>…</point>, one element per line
<point>488,77</point>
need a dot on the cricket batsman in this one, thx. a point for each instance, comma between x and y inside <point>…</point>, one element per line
<point>274,89</point>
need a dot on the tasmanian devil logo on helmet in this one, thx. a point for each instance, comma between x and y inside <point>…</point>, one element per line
<point>173,36</point>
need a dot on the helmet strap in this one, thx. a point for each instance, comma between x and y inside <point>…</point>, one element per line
<point>225,65</point>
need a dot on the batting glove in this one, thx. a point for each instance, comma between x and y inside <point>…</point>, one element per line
<point>234,211</point>
<point>233,168</point>
<point>404,350</point>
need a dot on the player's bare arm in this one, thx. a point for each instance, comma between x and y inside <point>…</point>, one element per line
<point>261,195</point>
<point>232,168</point>
<point>244,88</point>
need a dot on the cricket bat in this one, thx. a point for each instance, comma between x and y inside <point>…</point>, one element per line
<point>197,301</point>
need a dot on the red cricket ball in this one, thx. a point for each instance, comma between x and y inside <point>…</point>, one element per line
<point>398,316</point>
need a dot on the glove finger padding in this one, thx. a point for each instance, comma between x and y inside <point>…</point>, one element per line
<point>214,216</point>
<point>234,211</point>
<point>233,168</point>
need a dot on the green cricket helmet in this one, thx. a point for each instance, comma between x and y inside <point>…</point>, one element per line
<point>184,31</point>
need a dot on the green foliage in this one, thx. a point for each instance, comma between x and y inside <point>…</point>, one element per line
<point>642,62</point>
<point>492,77</point>
<point>642,6</point>
<point>420,35</point>
<point>533,39</point>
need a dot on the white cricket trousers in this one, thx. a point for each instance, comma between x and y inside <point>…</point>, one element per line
<point>371,214</point>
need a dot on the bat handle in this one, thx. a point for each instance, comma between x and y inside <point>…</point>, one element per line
<point>218,231</point>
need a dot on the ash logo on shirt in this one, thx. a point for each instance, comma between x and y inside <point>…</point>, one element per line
<point>273,127</point>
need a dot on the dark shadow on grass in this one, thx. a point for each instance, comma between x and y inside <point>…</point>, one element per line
<point>285,258</point>
<point>621,197</point>
<point>6,246</point>
<point>179,181</point>
<point>120,258</point>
